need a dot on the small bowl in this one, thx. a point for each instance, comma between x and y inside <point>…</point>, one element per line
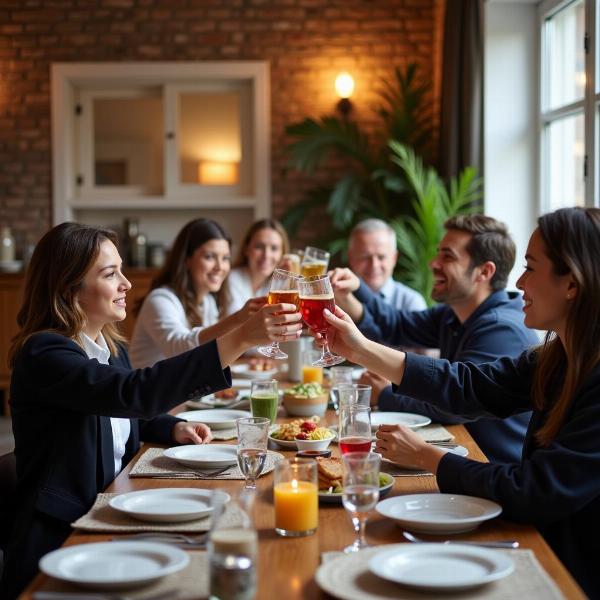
<point>303,406</point>
<point>313,444</point>
<point>313,453</point>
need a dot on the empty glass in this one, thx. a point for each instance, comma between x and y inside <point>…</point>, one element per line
<point>355,428</point>
<point>361,492</point>
<point>338,375</point>
<point>253,434</point>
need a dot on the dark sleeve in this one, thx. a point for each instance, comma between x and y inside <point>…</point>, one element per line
<point>67,378</point>
<point>387,325</point>
<point>551,483</point>
<point>500,388</point>
<point>483,344</point>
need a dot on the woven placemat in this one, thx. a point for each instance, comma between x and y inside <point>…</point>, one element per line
<point>347,576</point>
<point>152,463</point>
<point>102,518</point>
<point>434,433</point>
<point>191,583</point>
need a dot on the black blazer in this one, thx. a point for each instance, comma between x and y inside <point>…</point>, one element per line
<point>61,404</point>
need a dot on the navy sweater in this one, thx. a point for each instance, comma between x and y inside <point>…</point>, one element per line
<point>494,329</point>
<point>557,487</point>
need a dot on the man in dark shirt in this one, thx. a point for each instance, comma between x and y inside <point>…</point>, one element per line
<point>478,322</point>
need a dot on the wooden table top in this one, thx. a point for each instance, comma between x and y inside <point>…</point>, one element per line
<point>287,565</point>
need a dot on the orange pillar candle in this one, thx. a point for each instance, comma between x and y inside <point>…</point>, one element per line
<point>296,497</point>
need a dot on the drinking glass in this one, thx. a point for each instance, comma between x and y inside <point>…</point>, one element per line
<point>310,373</point>
<point>283,288</point>
<point>295,493</point>
<point>354,393</point>
<point>293,262</point>
<point>253,433</point>
<point>355,428</point>
<point>337,376</point>
<point>264,399</point>
<point>314,262</point>
<point>360,492</point>
<point>316,294</point>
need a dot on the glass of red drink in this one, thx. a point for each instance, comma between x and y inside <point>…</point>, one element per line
<point>283,289</point>
<point>355,428</point>
<point>316,295</point>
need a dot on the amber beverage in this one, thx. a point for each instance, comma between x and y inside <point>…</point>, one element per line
<point>284,297</point>
<point>312,308</point>
<point>313,269</point>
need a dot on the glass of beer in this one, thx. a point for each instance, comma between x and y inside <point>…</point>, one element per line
<point>316,294</point>
<point>314,262</point>
<point>283,288</point>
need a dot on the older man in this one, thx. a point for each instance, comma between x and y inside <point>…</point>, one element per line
<point>478,322</point>
<point>372,255</point>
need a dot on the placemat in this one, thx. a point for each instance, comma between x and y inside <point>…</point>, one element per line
<point>191,583</point>
<point>102,518</point>
<point>152,463</point>
<point>351,579</point>
<point>434,433</point>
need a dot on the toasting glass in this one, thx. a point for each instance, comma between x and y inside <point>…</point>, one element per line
<point>316,295</point>
<point>283,288</point>
<point>314,262</point>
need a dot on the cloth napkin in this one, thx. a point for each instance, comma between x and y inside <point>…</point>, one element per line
<point>152,463</point>
<point>434,433</point>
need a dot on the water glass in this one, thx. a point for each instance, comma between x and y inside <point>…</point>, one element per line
<point>264,399</point>
<point>355,428</point>
<point>360,492</point>
<point>354,393</point>
<point>338,375</point>
<point>253,435</point>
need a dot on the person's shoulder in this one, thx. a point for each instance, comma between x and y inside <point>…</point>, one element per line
<point>40,343</point>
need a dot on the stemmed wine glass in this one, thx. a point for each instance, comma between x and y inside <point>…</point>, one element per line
<point>361,492</point>
<point>283,288</point>
<point>316,295</point>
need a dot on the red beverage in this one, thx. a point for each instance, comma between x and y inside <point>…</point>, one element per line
<point>355,444</point>
<point>312,310</point>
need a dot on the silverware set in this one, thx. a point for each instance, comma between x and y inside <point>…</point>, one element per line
<point>506,544</point>
<point>186,542</point>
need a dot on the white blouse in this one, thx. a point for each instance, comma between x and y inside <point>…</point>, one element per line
<point>239,289</point>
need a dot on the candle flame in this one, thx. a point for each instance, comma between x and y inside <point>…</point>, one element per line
<point>294,485</point>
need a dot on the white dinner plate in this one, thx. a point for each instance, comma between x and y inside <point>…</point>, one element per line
<point>219,418</point>
<point>438,513</point>
<point>244,370</point>
<point>114,565</point>
<point>458,450</point>
<point>204,456</point>
<point>440,567</point>
<point>399,418</point>
<point>167,505</point>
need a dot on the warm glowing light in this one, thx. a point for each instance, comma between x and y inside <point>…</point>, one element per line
<point>217,173</point>
<point>294,485</point>
<point>344,85</point>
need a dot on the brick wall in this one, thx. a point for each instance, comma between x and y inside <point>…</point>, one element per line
<point>307,42</point>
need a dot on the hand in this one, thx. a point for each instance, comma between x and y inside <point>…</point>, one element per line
<point>377,383</point>
<point>403,446</point>
<point>251,307</point>
<point>191,433</point>
<point>343,282</point>
<point>343,336</point>
<point>273,323</point>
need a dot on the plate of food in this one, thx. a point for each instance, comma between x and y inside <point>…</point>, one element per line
<point>285,435</point>
<point>330,472</point>
<point>256,368</point>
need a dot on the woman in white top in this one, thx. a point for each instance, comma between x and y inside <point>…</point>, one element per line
<point>180,311</point>
<point>261,252</point>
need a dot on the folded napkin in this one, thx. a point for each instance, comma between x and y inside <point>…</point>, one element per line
<point>103,518</point>
<point>354,580</point>
<point>192,583</point>
<point>153,463</point>
<point>434,433</point>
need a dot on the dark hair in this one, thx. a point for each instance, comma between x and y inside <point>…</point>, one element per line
<point>174,273</point>
<point>490,242</point>
<point>571,238</point>
<point>241,259</point>
<point>53,280</point>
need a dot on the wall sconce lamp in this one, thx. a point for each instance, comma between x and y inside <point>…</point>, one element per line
<point>212,172</point>
<point>344,87</point>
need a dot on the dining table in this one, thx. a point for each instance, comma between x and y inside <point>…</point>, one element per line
<point>287,565</point>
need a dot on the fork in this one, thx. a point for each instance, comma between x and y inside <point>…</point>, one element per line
<point>166,595</point>
<point>179,539</point>
<point>210,474</point>
<point>507,544</point>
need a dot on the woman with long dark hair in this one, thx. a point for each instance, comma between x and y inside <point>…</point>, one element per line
<point>78,408</point>
<point>180,311</point>
<point>556,486</point>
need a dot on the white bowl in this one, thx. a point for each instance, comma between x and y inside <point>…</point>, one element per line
<point>303,406</point>
<point>313,444</point>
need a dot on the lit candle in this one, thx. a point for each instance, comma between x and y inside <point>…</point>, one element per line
<point>296,507</point>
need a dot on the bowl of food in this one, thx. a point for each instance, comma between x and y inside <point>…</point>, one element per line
<point>313,437</point>
<point>305,399</point>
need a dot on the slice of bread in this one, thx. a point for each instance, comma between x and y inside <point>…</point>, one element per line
<point>330,468</point>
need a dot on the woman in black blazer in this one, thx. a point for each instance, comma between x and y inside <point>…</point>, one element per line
<point>78,408</point>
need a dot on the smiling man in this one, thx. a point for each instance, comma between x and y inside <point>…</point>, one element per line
<point>478,321</point>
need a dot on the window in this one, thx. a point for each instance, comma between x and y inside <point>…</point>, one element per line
<point>569,103</point>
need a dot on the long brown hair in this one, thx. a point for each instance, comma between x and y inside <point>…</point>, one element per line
<point>572,243</point>
<point>175,274</point>
<point>54,278</point>
<point>242,259</point>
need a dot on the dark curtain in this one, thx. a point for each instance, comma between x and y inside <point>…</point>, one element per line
<point>461,126</point>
